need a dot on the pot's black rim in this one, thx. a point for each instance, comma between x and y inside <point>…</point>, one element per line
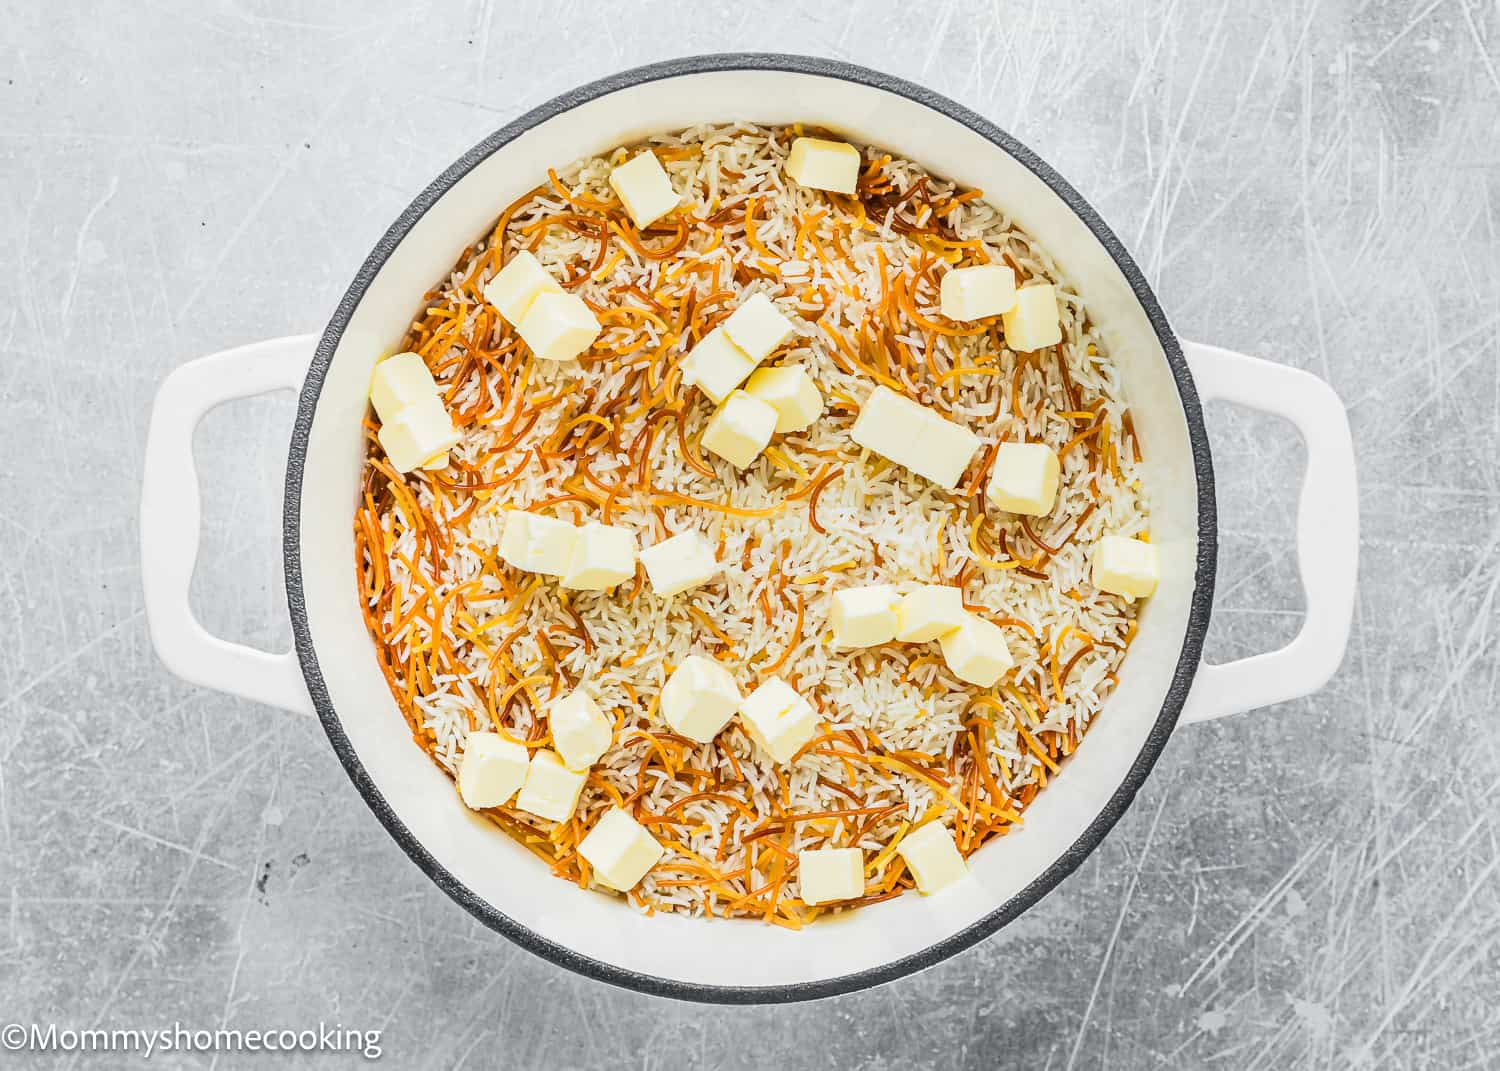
<point>1070,859</point>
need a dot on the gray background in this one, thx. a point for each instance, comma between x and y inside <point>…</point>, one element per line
<point>1312,182</point>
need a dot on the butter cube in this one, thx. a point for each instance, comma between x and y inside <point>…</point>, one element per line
<point>976,651</point>
<point>944,450</point>
<point>684,561</point>
<point>933,858</point>
<point>1034,322</point>
<point>603,556</point>
<point>740,429</point>
<point>928,612</point>
<point>397,382</point>
<point>644,187</point>
<point>790,391</point>
<point>699,698</point>
<point>824,165</point>
<point>829,874</point>
<point>1024,479</point>
<point>580,731</point>
<point>864,616</point>
<point>418,432</point>
<point>551,789</point>
<point>490,770</point>
<point>912,435</point>
<point>757,327</point>
<point>778,719</point>
<point>1124,566</point>
<point>716,366</point>
<point>558,327</point>
<point>537,543</point>
<point>620,850</point>
<point>976,292</point>
<point>516,286</point>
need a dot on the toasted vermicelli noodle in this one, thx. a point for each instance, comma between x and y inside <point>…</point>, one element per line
<point>468,642</point>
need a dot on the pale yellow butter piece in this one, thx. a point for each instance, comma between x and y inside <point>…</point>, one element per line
<point>491,770</point>
<point>397,382</point>
<point>1125,566</point>
<point>716,366</point>
<point>417,432</point>
<point>1034,322</point>
<point>558,327</point>
<point>933,858</point>
<point>757,327</point>
<point>551,789</point>
<point>790,391</point>
<point>740,429</point>
<point>686,560</point>
<point>915,437</point>
<point>928,613</point>
<point>976,651</point>
<point>620,850</point>
<point>1024,478</point>
<point>699,698</point>
<point>603,556</point>
<point>824,165</point>
<point>976,292</point>
<point>537,543</point>
<point>644,187</point>
<point>863,616</point>
<point>830,874</point>
<point>517,284</point>
<point>580,731</point>
<point>778,719</point>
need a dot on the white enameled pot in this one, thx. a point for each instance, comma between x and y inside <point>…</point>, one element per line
<point>333,670</point>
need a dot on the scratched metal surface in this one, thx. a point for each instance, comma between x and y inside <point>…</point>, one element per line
<point>1312,182</point>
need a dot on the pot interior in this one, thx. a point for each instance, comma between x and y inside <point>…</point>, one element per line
<point>675,954</point>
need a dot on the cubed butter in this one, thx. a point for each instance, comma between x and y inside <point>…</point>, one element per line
<point>716,366</point>
<point>912,435</point>
<point>1034,321</point>
<point>551,789</point>
<point>397,382</point>
<point>929,612</point>
<point>558,327</point>
<point>1125,566</point>
<point>933,858</point>
<point>976,651</point>
<point>580,731</point>
<point>863,616</point>
<point>790,391</point>
<point>757,327</point>
<point>537,543</point>
<point>684,561</point>
<point>829,874</point>
<point>516,286</point>
<point>699,698</point>
<point>644,187</point>
<point>490,770</point>
<point>1024,478</point>
<point>824,165</point>
<point>976,292</point>
<point>778,719</point>
<point>740,429</point>
<point>620,850</point>
<point>416,433</point>
<point>603,556</point>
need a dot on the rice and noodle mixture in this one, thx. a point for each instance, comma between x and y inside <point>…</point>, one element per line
<point>467,642</point>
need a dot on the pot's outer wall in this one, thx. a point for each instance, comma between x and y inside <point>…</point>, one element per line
<point>1068,859</point>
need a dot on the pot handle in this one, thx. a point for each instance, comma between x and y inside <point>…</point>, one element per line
<point>1327,533</point>
<point>170,521</point>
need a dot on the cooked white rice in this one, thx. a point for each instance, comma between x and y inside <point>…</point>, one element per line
<point>883,524</point>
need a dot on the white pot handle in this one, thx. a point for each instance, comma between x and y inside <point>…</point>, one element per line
<point>1327,533</point>
<point>170,521</point>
